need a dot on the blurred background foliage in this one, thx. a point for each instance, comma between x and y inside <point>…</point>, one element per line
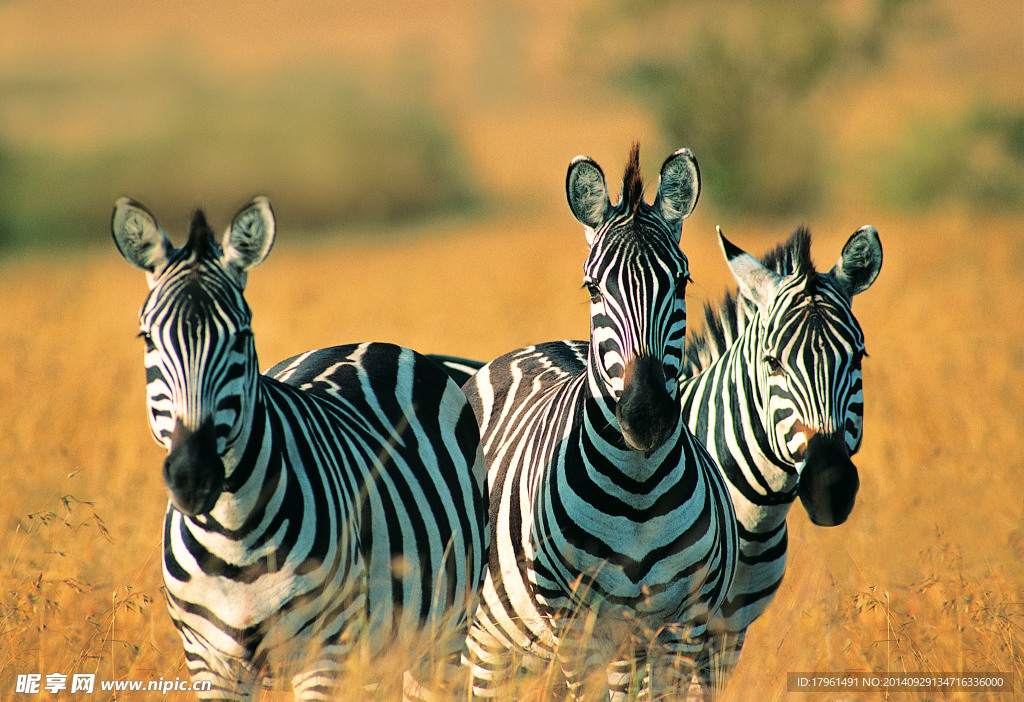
<point>744,84</point>
<point>793,108</point>
<point>323,142</point>
<point>975,156</point>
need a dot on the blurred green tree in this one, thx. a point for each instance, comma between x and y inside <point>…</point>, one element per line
<point>972,158</point>
<point>328,146</point>
<point>739,83</point>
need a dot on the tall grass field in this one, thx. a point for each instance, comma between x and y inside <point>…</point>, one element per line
<point>415,155</point>
<point>924,577</point>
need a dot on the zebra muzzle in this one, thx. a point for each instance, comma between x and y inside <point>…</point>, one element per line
<point>193,470</point>
<point>646,413</point>
<point>829,481</point>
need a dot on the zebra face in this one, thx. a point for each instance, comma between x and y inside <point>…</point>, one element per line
<point>201,367</point>
<point>200,357</point>
<point>636,276</point>
<point>637,332</point>
<point>807,355</point>
<point>811,367</point>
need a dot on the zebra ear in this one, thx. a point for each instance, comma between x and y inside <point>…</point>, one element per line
<point>587,192</point>
<point>757,282</point>
<point>138,236</point>
<point>860,262</point>
<point>679,187</point>
<point>250,237</point>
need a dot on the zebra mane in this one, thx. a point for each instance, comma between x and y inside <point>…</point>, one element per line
<point>725,322</point>
<point>201,239</point>
<point>793,257</point>
<point>632,181</point>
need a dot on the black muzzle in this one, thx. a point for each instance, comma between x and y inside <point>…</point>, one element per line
<point>646,413</point>
<point>828,482</point>
<point>193,470</point>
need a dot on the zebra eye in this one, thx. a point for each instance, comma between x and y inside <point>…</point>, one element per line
<point>774,365</point>
<point>145,336</point>
<point>595,293</point>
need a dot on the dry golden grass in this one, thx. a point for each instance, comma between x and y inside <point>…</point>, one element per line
<point>926,575</point>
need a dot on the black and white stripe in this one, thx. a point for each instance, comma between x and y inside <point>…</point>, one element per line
<point>772,387</point>
<point>329,507</point>
<point>458,368</point>
<point>613,537</point>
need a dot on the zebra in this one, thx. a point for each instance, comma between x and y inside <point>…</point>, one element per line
<point>613,536</point>
<point>772,387</point>
<point>322,511</point>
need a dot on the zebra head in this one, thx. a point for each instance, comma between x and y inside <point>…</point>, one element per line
<point>636,276</point>
<point>809,348</point>
<point>201,365</point>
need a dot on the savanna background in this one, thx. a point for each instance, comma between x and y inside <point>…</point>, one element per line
<point>415,154</point>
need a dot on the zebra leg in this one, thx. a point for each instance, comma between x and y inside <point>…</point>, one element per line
<point>717,662</point>
<point>230,677</point>
<point>626,676</point>
<point>436,691</point>
<point>447,680</point>
<point>326,655</point>
<point>576,680</point>
<point>317,683</point>
<point>224,688</point>
<point>440,675</point>
<point>673,659</point>
<point>593,667</point>
<point>230,680</point>
<point>488,659</point>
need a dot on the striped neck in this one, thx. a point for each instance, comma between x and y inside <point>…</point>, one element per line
<point>251,480</point>
<point>603,447</point>
<point>725,405</point>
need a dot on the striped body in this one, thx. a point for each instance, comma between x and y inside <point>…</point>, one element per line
<point>613,538</point>
<point>318,512</point>
<point>772,387</point>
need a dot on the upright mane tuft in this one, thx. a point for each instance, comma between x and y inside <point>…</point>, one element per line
<point>200,236</point>
<point>724,323</point>
<point>794,256</point>
<point>632,181</point>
